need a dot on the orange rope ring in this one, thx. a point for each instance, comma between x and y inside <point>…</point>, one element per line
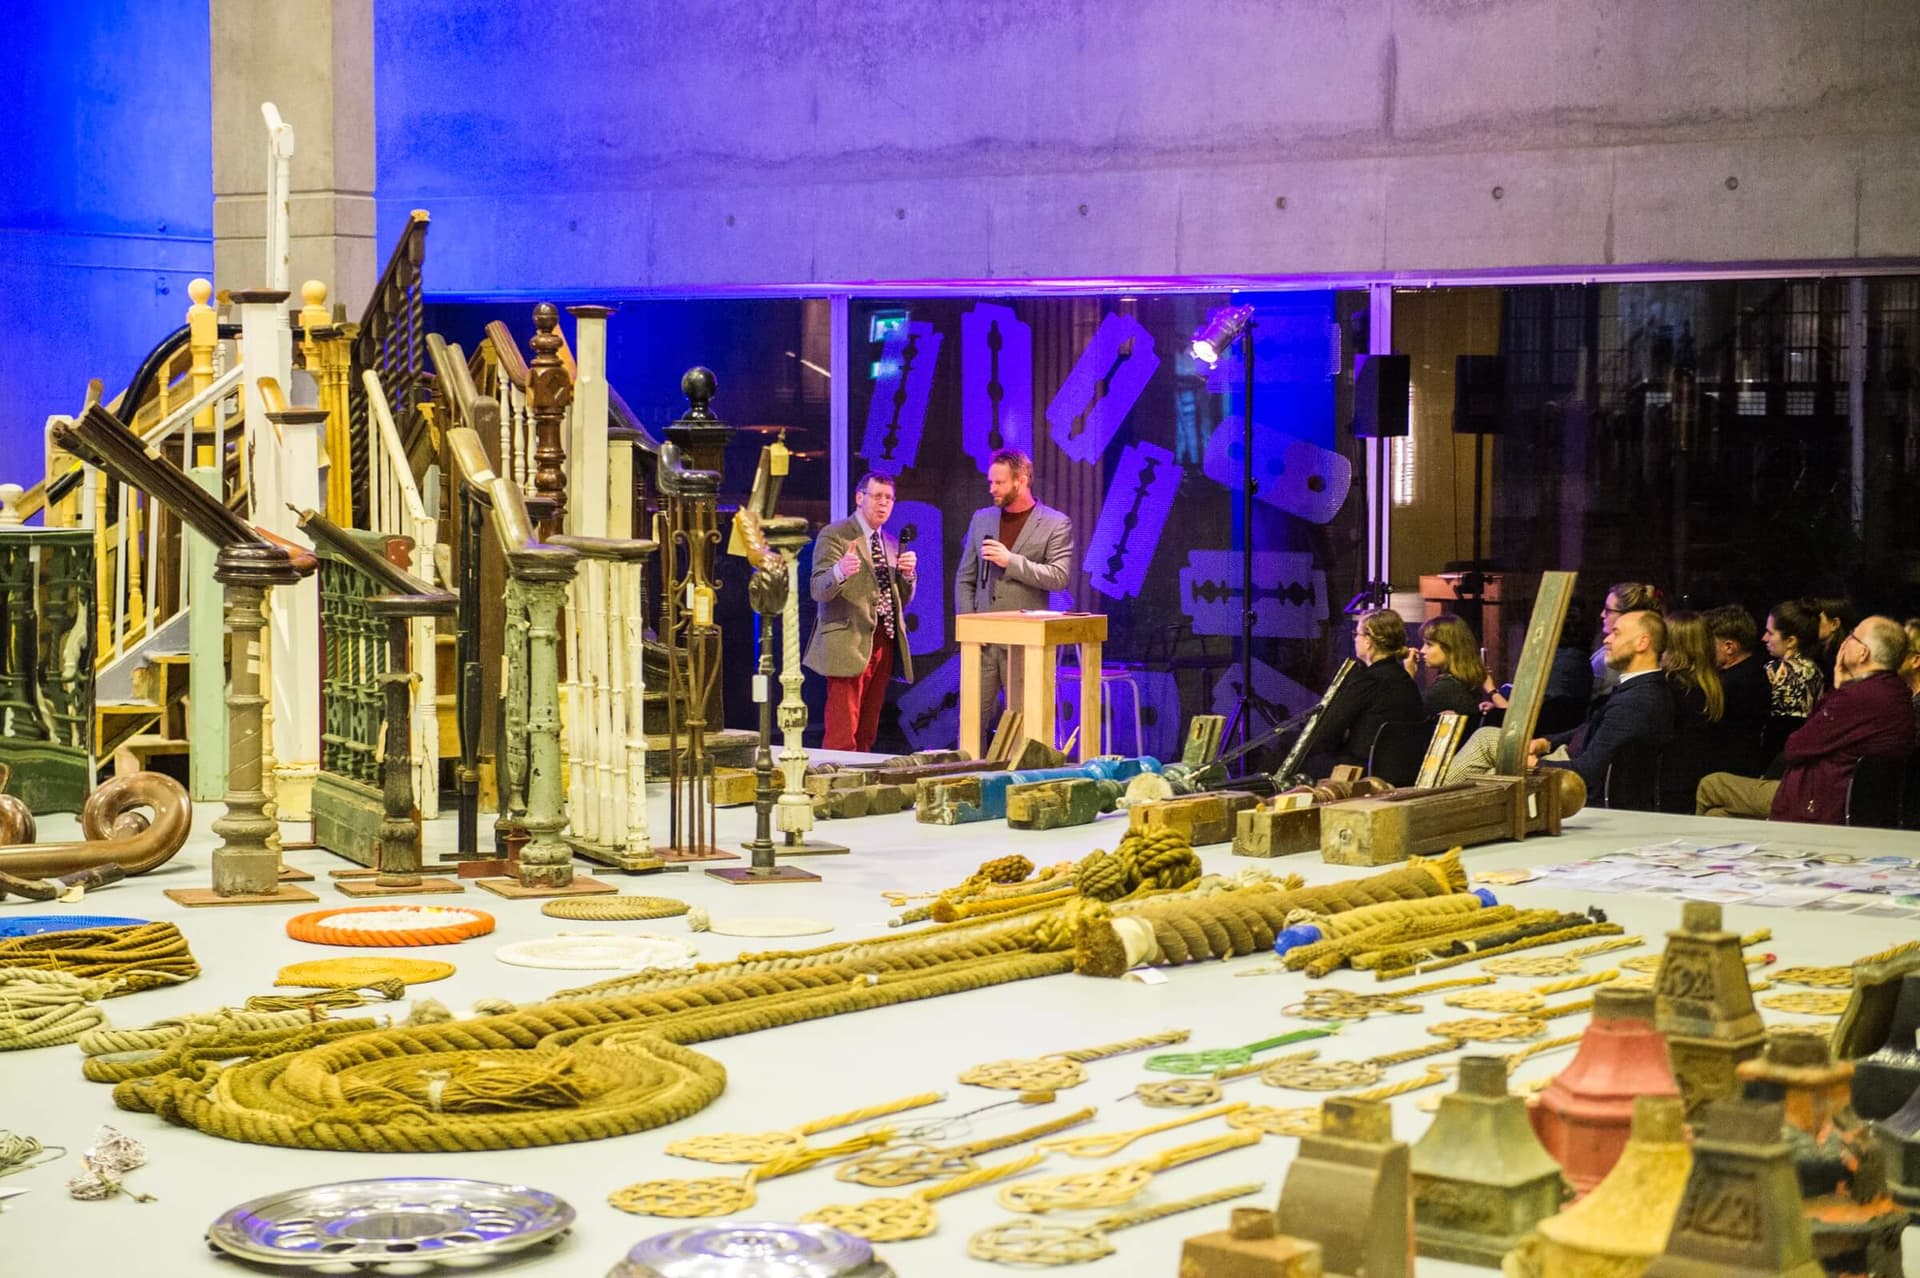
<point>390,925</point>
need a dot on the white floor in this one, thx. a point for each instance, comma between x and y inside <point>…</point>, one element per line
<point>785,1077</point>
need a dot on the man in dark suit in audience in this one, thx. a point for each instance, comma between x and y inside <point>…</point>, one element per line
<point>1867,713</point>
<point>1640,711</point>
<point>1739,738</point>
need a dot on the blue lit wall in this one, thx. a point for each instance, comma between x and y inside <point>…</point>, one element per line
<point>106,207</point>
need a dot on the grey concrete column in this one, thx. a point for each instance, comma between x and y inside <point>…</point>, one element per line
<point>315,62</point>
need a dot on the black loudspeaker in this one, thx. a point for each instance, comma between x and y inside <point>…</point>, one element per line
<point>1380,396</point>
<point>1480,405</point>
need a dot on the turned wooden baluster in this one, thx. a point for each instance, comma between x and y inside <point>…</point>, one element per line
<point>549,391</point>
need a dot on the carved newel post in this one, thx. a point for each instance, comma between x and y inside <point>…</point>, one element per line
<point>549,391</point>
<point>247,862</point>
<point>539,580</point>
<point>767,592</point>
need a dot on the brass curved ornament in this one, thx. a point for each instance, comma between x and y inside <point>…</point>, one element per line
<point>114,834</point>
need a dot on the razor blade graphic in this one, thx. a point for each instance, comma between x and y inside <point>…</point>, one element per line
<point>996,383</point>
<point>1278,689</point>
<point>1135,514</point>
<point>918,525</point>
<point>930,709</point>
<point>897,413</point>
<point>1105,383</point>
<point>1300,478</point>
<point>1289,593</point>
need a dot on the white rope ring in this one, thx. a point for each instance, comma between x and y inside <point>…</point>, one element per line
<point>599,951</point>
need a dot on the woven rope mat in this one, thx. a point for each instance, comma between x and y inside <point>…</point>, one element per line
<point>608,909</point>
<point>352,973</point>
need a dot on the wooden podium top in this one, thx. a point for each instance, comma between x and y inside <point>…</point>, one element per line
<point>1030,629</point>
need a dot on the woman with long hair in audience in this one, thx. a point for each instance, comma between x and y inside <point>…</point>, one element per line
<point>1699,702</point>
<point>1791,637</point>
<point>1460,679</point>
<point>1836,617</point>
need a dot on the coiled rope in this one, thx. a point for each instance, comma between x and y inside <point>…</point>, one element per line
<point>46,1008</point>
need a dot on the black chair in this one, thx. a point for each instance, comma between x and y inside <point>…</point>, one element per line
<point>1773,739</point>
<point>1560,714</point>
<point>1633,779</point>
<point>1875,794</point>
<point>1398,749</point>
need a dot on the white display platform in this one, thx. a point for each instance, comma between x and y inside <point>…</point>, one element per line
<point>785,1077</point>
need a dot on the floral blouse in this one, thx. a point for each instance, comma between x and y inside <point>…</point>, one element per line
<point>1796,686</point>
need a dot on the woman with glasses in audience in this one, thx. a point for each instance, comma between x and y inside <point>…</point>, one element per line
<point>1623,597</point>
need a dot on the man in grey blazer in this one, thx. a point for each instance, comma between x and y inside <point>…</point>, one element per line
<point>1017,553</point>
<point>863,584</point>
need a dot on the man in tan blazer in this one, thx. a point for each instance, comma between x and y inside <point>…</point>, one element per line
<point>1017,553</point>
<point>863,584</point>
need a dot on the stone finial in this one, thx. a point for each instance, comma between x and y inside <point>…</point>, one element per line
<point>10,495</point>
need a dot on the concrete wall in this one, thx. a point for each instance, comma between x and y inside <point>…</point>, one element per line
<point>668,143</point>
<point>104,209</point>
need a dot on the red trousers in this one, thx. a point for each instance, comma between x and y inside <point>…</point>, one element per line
<point>853,702</point>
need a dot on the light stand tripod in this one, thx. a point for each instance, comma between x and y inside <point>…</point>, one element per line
<point>1223,327</point>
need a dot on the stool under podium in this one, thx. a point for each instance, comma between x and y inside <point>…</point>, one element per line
<point>1033,640</point>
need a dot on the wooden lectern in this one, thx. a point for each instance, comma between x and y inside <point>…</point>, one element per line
<point>1033,638</point>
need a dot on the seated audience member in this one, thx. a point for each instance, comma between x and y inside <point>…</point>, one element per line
<point>1570,678</point>
<point>1460,680</point>
<point>1639,711</point>
<point>1745,690</point>
<point>1792,633</point>
<point>1699,706</point>
<point>1622,598</point>
<point>1869,712</point>
<point>1378,691</point>
<point>1910,668</point>
<point>1835,616</point>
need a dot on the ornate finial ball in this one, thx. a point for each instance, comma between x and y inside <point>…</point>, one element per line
<point>697,386</point>
<point>199,290</point>
<point>314,293</point>
<point>546,317</point>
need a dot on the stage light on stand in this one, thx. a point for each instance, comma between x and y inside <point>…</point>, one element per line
<point>1220,331</point>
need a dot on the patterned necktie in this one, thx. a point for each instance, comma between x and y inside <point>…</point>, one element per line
<point>883,583</point>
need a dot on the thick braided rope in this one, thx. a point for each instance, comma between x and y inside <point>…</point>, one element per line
<point>296,1099</point>
<point>40,1008</point>
<point>604,909</point>
<point>165,1033</point>
<point>390,925</point>
<point>137,957</point>
<point>1347,922</point>
<point>1487,924</point>
<point>197,1052</point>
<point>1356,948</point>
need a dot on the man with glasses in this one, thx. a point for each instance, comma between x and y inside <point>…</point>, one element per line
<point>1867,713</point>
<point>863,584</point>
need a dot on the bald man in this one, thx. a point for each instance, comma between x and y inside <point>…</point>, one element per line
<point>1868,712</point>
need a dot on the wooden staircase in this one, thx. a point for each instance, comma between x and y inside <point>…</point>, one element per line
<point>150,722</point>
